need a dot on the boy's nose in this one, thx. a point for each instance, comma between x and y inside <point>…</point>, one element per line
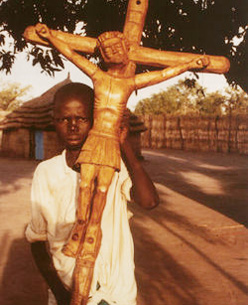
<point>73,124</point>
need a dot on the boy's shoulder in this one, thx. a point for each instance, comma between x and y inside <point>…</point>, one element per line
<point>51,162</point>
<point>55,165</point>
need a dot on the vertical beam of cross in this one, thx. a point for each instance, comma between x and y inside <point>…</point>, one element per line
<point>133,27</point>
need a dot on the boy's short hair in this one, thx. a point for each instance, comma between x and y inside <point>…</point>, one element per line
<point>74,90</point>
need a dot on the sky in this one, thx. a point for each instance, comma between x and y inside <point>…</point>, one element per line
<point>24,73</point>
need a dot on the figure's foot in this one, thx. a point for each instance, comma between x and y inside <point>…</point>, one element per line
<point>76,239</point>
<point>42,30</point>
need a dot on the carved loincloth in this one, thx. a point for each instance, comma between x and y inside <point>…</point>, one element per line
<point>101,149</point>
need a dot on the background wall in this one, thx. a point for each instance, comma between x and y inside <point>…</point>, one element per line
<point>188,132</point>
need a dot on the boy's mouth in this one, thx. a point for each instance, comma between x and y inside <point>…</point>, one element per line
<point>73,136</point>
<point>74,139</point>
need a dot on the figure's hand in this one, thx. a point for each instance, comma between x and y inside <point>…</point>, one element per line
<point>42,30</point>
<point>199,62</point>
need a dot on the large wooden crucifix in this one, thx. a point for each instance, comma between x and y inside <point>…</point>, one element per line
<point>100,154</point>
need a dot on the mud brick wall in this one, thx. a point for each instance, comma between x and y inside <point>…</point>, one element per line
<point>21,143</point>
<point>15,143</point>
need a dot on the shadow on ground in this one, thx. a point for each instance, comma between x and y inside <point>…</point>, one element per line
<point>21,282</point>
<point>218,181</point>
<point>13,172</point>
<point>178,260</point>
<point>172,272</point>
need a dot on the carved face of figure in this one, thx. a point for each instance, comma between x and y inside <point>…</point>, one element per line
<point>113,49</point>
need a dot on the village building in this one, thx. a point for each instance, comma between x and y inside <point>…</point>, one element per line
<point>28,132</point>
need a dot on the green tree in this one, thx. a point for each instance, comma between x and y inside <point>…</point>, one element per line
<point>211,103</point>
<point>232,101</point>
<point>198,26</point>
<point>181,98</point>
<point>188,96</point>
<point>10,95</point>
<point>236,101</point>
<point>163,102</point>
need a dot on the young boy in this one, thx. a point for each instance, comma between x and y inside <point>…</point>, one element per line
<point>54,202</point>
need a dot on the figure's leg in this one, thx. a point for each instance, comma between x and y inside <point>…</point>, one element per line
<point>86,258</point>
<point>88,174</point>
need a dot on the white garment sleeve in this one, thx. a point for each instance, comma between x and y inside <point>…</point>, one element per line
<point>37,228</point>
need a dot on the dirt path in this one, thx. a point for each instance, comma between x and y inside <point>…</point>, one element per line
<point>191,250</point>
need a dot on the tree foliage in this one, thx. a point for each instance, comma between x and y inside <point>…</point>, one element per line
<point>236,101</point>
<point>10,95</point>
<point>198,26</point>
<point>188,96</point>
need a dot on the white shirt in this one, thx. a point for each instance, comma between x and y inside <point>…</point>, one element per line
<point>54,198</point>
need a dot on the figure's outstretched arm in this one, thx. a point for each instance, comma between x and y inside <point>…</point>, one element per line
<point>78,43</point>
<point>64,48</point>
<point>159,58</point>
<point>151,78</point>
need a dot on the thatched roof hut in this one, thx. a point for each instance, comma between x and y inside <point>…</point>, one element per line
<point>36,113</point>
<point>28,131</point>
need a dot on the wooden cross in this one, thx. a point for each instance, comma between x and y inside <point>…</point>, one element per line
<point>137,54</point>
<point>100,154</point>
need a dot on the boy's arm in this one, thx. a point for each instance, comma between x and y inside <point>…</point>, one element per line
<point>151,78</point>
<point>143,191</point>
<point>44,263</point>
<point>64,48</point>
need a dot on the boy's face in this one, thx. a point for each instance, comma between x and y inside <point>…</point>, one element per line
<point>73,120</point>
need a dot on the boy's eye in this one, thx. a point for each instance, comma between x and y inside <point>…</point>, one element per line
<point>62,120</point>
<point>82,120</point>
<point>70,120</point>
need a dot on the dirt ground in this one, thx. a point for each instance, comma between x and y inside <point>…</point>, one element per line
<point>191,250</point>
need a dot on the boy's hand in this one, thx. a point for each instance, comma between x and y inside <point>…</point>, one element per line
<point>42,30</point>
